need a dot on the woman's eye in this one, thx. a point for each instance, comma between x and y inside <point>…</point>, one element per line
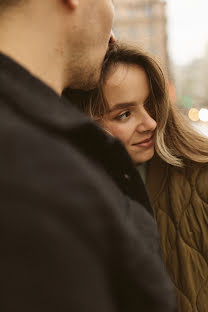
<point>123,116</point>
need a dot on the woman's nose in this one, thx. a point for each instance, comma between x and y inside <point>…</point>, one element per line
<point>147,123</point>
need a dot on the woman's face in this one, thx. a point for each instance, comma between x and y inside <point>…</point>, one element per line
<point>127,91</point>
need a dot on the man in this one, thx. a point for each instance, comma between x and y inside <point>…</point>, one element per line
<point>73,238</point>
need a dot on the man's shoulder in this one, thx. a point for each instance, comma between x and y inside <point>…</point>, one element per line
<point>47,181</point>
<point>42,169</point>
<point>25,142</point>
<point>46,161</point>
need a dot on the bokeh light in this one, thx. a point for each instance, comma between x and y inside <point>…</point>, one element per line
<point>193,114</point>
<point>203,114</point>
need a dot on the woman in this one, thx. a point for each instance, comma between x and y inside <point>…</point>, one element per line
<point>132,104</point>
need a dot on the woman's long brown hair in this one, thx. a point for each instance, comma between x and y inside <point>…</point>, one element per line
<point>176,140</point>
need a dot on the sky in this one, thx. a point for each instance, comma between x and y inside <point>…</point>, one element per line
<point>187,29</point>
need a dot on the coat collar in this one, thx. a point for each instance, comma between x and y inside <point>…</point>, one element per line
<point>40,105</point>
<point>35,99</point>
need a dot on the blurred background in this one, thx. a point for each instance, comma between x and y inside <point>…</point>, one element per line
<point>176,33</point>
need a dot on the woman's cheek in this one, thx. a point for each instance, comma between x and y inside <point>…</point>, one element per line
<point>120,132</point>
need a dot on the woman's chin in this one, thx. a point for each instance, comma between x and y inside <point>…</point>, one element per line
<point>142,157</point>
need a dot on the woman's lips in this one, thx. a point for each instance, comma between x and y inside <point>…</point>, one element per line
<point>146,143</point>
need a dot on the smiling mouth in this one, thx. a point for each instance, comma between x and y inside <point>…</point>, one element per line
<point>146,143</point>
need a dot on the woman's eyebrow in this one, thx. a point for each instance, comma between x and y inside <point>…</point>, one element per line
<point>122,106</point>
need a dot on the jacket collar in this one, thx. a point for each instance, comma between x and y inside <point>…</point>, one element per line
<point>40,105</point>
<point>35,99</point>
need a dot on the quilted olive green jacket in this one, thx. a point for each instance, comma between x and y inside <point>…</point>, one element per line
<point>180,200</point>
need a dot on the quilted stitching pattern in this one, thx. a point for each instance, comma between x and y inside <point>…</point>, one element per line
<point>182,215</point>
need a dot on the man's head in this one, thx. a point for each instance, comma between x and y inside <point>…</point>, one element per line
<point>70,36</point>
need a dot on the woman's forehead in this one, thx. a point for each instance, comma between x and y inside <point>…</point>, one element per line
<point>127,84</point>
<point>126,79</point>
<point>121,72</point>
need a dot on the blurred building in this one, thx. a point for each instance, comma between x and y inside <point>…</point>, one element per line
<point>191,82</point>
<point>143,22</point>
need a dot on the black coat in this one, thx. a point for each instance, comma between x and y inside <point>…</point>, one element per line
<point>72,238</point>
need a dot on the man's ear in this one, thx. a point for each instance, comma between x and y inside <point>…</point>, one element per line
<point>72,4</point>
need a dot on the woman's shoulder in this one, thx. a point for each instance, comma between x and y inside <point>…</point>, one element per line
<point>195,168</point>
<point>161,174</point>
<point>197,174</point>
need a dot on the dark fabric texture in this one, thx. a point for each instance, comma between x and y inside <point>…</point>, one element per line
<point>74,236</point>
